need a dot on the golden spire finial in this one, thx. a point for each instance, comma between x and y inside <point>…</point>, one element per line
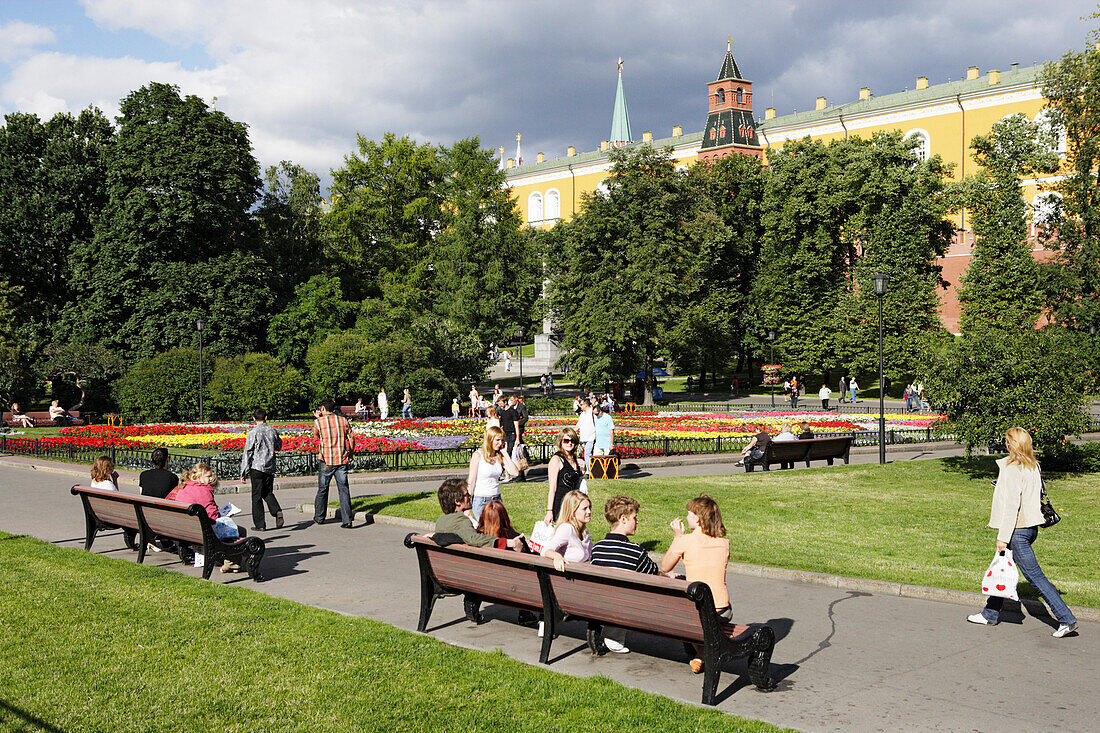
<point>729,40</point>
<point>518,136</point>
<point>620,66</point>
<point>215,105</point>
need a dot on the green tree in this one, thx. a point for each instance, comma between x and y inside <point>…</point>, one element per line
<point>17,376</point>
<point>291,228</point>
<point>1001,288</point>
<point>317,310</point>
<point>90,368</point>
<point>162,388</point>
<point>181,182</point>
<point>989,381</point>
<point>241,384</point>
<point>626,267</point>
<point>1071,86</point>
<point>713,327</point>
<point>52,190</point>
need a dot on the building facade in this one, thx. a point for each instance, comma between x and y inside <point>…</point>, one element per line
<point>942,117</point>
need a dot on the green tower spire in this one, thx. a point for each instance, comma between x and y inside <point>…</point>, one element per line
<point>620,119</point>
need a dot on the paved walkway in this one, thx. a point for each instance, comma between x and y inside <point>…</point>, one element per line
<point>847,660</point>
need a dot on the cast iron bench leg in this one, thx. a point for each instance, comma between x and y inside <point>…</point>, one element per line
<point>471,604</point>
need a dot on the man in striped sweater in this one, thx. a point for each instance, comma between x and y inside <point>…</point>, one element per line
<point>617,551</point>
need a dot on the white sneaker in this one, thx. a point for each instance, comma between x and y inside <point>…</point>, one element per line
<point>977,618</point>
<point>541,624</point>
<point>614,646</point>
<point>1065,629</point>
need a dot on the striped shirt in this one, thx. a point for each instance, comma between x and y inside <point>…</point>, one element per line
<point>616,551</point>
<point>334,440</point>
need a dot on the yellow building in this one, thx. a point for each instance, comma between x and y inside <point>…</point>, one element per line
<point>944,117</point>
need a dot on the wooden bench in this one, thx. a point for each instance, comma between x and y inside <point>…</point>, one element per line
<point>41,419</point>
<point>657,605</point>
<point>154,519</point>
<point>814,449</point>
<point>349,412</point>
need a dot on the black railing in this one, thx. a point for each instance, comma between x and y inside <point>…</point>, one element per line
<point>227,465</point>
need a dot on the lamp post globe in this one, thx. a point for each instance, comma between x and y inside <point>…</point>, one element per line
<point>881,283</point>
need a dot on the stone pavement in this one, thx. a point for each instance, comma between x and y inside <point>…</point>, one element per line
<point>846,659</point>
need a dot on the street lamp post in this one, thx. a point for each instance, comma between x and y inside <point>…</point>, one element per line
<point>881,281</point>
<point>200,325</point>
<point>520,338</point>
<point>771,360</point>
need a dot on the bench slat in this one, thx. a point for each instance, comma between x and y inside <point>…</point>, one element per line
<point>119,513</point>
<point>174,523</point>
<point>503,582</point>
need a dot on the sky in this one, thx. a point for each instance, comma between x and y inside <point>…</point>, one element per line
<point>307,77</point>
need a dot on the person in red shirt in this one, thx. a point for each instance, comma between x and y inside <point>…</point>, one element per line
<point>335,446</point>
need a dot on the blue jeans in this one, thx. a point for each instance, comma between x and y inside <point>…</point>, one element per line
<point>325,472</point>
<point>1020,544</point>
<point>407,412</point>
<point>853,390</point>
<point>478,503</point>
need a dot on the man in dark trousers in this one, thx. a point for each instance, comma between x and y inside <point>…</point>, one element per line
<point>522,416</point>
<point>258,465</point>
<point>509,416</point>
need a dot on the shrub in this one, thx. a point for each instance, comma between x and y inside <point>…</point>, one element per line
<point>240,384</point>
<point>163,388</point>
<point>539,404</point>
<point>431,392</point>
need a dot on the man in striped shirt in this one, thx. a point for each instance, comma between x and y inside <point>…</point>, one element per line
<point>617,551</point>
<point>335,446</point>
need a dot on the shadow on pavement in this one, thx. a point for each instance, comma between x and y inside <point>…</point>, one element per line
<point>390,500</point>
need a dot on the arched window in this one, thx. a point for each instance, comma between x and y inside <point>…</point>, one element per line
<point>740,95</point>
<point>553,204</point>
<point>1051,130</point>
<point>924,150</point>
<point>720,96</point>
<point>534,208</point>
<point>1046,209</point>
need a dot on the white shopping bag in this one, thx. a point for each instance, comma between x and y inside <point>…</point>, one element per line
<point>1001,577</point>
<point>540,535</point>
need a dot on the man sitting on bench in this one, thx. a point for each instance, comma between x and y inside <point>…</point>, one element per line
<point>454,499</point>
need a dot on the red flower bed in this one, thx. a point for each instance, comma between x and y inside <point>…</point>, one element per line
<point>105,431</point>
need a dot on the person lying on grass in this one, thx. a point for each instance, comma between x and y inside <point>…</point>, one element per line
<point>706,552</point>
<point>454,500</point>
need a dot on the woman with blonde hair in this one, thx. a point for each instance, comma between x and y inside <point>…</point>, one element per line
<point>571,542</point>
<point>494,417</point>
<point>104,475</point>
<point>488,465</point>
<point>706,553</point>
<point>1016,515</point>
<point>564,471</point>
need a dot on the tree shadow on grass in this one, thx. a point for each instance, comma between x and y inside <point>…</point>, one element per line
<point>366,504</point>
<point>24,720</point>
<point>975,467</point>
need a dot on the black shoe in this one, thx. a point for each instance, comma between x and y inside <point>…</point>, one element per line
<point>345,525</point>
<point>259,529</point>
<point>318,521</point>
<point>279,519</point>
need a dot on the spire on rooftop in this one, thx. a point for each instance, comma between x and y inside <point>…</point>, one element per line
<point>620,118</point>
<point>729,66</point>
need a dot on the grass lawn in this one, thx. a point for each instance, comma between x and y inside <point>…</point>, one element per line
<point>920,522</point>
<point>100,644</point>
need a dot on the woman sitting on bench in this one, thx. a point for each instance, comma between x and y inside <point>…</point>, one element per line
<point>706,552</point>
<point>104,475</point>
<point>571,542</point>
<point>199,489</point>
<point>19,418</point>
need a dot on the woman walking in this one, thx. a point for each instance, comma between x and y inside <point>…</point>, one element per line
<point>564,472</point>
<point>407,405</point>
<point>487,467</point>
<point>1016,515</point>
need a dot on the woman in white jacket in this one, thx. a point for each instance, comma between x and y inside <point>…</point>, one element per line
<point>1016,516</point>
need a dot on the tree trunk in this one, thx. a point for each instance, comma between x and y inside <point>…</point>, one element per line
<point>648,379</point>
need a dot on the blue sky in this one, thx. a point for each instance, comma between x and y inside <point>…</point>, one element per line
<point>307,76</point>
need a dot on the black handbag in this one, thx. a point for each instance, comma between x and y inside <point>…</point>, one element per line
<point>1050,516</point>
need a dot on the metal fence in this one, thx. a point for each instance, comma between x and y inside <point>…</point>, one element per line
<point>228,465</point>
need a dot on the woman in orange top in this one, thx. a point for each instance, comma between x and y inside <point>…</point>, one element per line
<point>706,552</point>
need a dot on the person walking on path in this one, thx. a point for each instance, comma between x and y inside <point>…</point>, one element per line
<point>487,467</point>
<point>853,386</point>
<point>258,466</point>
<point>843,389</point>
<point>335,447</point>
<point>794,393</point>
<point>407,405</point>
<point>824,393</point>
<point>586,428</point>
<point>383,403</point>
<point>563,471</point>
<point>1016,515</point>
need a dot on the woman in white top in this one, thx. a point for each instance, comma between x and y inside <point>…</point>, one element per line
<point>571,542</point>
<point>19,418</point>
<point>487,467</point>
<point>104,475</point>
<point>494,418</point>
<point>1016,515</point>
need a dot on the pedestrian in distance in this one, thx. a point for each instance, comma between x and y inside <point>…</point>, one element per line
<point>843,389</point>
<point>824,393</point>
<point>383,404</point>
<point>488,465</point>
<point>335,447</point>
<point>407,405</point>
<point>1016,514</point>
<point>258,466</point>
<point>853,387</point>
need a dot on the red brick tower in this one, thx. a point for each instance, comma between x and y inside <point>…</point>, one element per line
<point>730,125</point>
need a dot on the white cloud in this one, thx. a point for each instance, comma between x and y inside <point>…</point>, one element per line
<point>18,39</point>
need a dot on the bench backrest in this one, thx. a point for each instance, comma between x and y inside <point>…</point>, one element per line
<point>787,450</point>
<point>166,518</point>
<point>654,604</point>
<point>174,522</point>
<point>501,575</point>
<point>114,507</point>
<point>807,450</point>
<point>828,447</point>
